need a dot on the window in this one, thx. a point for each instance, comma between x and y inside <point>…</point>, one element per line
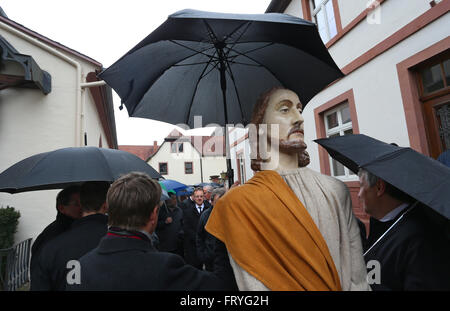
<point>434,77</point>
<point>188,168</point>
<point>176,147</point>
<point>163,169</point>
<point>338,122</point>
<point>323,13</point>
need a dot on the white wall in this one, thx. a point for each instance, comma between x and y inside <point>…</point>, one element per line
<point>209,165</point>
<point>213,166</point>
<point>378,101</point>
<point>31,123</point>
<point>295,9</point>
<point>393,15</point>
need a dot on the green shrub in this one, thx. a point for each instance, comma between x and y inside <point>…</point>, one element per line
<point>9,220</point>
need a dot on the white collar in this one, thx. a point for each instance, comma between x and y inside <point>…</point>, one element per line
<point>392,214</point>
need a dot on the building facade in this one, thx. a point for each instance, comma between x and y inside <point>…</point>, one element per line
<point>189,159</point>
<point>395,55</point>
<point>49,106</point>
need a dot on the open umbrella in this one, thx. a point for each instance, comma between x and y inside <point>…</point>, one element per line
<point>422,177</point>
<point>63,167</point>
<point>215,65</point>
<point>174,185</point>
<point>187,191</point>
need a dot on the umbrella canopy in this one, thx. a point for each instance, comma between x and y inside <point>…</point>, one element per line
<point>187,191</point>
<point>423,178</point>
<point>63,167</point>
<point>212,184</point>
<point>174,185</point>
<point>216,65</point>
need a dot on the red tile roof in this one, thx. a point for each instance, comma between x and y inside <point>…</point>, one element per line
<point>143,152</point>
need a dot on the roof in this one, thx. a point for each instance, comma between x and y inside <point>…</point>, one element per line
<point>143,152</point>
<point>206,146</point>
<point>32,33</point>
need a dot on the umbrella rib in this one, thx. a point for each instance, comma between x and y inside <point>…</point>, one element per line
<point>211,33</point>
<point>230,73</point>
<point>214,67</point>
<point>239,63</point>
<point>248,23</point>
<point>194,50</point>
<point>240,36</point>
<point>200,63</point>
<point>196,87</point>
<point>249,51</point>
<point>271,72</point>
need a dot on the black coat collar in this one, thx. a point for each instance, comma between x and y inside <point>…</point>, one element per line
<point>114,244</point>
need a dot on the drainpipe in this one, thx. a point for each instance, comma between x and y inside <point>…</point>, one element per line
<point>79,109</point>
<point>83,86</point>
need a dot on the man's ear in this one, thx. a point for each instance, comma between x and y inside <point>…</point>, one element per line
<point>59,207</point>
<point>104,208</point>
<point>154,214</point>
<point>381,187</point>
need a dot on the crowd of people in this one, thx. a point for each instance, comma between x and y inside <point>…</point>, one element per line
<point>287,228</point>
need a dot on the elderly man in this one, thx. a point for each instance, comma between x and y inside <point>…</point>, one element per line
<point>409,245</point>
<point>289,227</point>
<point>207,190</point>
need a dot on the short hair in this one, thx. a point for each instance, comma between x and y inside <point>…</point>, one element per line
<point>390,189</point>
<point>218,191</point>
<point>207,188</point>
<point>93,195</point>
<point>63,197</point>
<point>198,189</point>
<point>131,200</point>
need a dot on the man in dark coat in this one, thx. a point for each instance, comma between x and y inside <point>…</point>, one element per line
<point>170,226</point>
<point>407,248</point>
<point>126,260</point>
<point>191,216</point>
<point>68,209</point>
<point>54,263</point>
<point>206,242</point>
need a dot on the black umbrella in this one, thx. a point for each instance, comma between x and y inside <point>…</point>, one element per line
<point>422,177</point>
<point>63,167</point>
<point>216,65</point>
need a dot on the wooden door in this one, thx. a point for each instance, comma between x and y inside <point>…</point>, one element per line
<point>437,122</point>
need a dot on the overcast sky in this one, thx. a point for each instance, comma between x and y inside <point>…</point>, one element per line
<point>106,29</point>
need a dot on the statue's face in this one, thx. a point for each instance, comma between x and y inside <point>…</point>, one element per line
<point>285,110</point>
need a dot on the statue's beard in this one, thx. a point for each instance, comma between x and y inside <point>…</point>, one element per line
<point>295,147</point>
<point>291,146</point>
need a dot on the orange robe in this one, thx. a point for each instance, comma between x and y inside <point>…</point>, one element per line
<point>270,234</point>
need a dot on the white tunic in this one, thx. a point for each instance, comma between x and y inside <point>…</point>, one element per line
<point>328,201</point>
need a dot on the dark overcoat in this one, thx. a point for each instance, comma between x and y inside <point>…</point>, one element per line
<point>83,236</point>
<point>191,216</point>
<point>413,255</point>
<point>170,235</point>
<point>131,264</point>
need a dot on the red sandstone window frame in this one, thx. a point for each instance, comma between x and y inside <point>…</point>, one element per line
<point>319,112</point>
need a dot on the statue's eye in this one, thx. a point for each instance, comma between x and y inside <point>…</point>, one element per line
<point>284,109</point>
